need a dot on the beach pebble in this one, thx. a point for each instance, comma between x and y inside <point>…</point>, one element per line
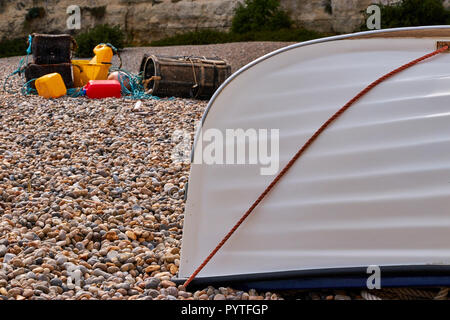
<point>152,283</point>
<point>8,257</point>
<point>3,250</point>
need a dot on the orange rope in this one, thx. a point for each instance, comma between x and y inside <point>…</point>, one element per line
<point>303,149</point>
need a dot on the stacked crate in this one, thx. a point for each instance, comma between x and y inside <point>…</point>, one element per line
<point>51,53</point>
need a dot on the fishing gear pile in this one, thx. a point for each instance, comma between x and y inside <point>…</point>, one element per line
<point>54,73</point>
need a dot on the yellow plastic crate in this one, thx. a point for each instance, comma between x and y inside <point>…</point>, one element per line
<point>83,71</point>
<point>51,86</point>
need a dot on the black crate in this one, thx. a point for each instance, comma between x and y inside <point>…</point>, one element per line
<point>52,49</point>
<point>34,71</point>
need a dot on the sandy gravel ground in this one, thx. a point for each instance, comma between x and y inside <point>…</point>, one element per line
<point>237,54</point>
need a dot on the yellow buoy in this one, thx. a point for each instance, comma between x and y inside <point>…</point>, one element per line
<point>103,54</point>
<point>51,86</point>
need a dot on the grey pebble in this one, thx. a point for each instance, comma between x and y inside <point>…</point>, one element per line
<point>56,282</point>
<point>153,293</point>
<point>8,257</point>
<point>100,272</point>
<point>3,250</point>
<point>152,283</point>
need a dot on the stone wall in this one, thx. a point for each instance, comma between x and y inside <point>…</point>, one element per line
<point>146,20</point>
<point>143,20</point>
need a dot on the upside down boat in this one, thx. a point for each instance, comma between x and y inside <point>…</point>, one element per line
<point>372,190</point>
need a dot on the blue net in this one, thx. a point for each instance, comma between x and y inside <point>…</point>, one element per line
<point>132,85</point>
<point>27,89</point>
<point>21,68</point>
<point>76,92</point>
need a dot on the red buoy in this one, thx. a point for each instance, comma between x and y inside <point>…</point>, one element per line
<point>99,89</point>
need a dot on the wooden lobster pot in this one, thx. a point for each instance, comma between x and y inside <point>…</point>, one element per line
<point>191,77</point>
<point>52,49</point>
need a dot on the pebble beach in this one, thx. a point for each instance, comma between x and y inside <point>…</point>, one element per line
<point>88,190</point>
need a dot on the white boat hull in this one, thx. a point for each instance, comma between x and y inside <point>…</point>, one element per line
<point>374,189</point>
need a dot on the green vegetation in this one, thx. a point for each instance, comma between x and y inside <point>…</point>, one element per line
<point>13,47</point>
<point>211,36</point>
<point>88,40</point>
<point>259,15</point>
<point>409,13</point>
<point>255,20</point>
<point>34,13</point>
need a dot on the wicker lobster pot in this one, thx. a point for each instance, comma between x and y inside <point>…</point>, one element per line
<point>52,49</point>
<point>192,77</point>
<point>34,71</point>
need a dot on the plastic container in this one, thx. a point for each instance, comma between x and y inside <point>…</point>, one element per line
<point>51,86</point>
<point>103,54</point>
<point>83,71</point>
<point>99,89</point>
